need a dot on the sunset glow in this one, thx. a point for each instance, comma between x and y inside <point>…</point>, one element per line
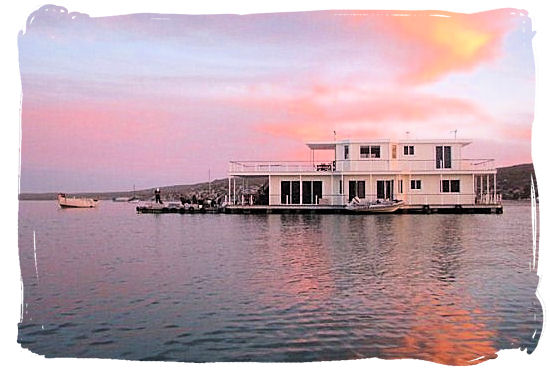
<point>152,100</point>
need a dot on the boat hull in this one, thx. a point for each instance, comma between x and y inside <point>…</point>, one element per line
<point>75,202</point>
<point>374,208</point>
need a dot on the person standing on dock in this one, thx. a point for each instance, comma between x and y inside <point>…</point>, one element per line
<point>157,196</point>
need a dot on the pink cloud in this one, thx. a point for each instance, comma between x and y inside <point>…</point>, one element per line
<point>355,112</point>
<point>434,43</point>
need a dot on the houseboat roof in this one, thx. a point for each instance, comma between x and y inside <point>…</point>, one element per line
<point>329,145</point>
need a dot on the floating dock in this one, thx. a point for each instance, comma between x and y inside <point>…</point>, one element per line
<point>325,209</point>
<point>331,209</point>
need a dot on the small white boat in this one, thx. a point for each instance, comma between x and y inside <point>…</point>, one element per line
<point>121,199</point>
<point>75,202</point>
<point>379,206</point>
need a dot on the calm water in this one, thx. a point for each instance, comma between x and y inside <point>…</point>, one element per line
<point>111,283</point>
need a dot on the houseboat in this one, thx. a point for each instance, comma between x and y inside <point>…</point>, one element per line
<point>422,175</point>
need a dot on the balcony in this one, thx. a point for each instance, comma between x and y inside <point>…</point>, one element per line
<point>359,166</point>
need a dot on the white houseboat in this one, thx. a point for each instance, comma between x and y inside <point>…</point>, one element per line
<point>423,174</point>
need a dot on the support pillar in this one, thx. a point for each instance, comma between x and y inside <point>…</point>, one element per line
<point>495,187</point>
<point>488,189</point>
<point>332,189</point>
<point>301,184</point>
<point>343,194</point>
<point>481,188</point>
<point>371,190</point>
<point>474,186</point>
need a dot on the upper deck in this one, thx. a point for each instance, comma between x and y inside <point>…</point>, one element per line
<point>376,156</point>
<point>362,166</point>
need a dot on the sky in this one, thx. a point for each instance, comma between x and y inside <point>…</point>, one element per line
<point>152,100</point>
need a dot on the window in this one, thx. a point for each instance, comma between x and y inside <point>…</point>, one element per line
<point>416,184</point>
<point>455,186</point>
<point>356,189</point>
<point>306,192</point>
<point>452,185</point>
<point>394,151</point>
<point>369,152</point>
<point>384,189</point>
<point>285,192</point>
<point>290,192</point>
<point>312,192</point>
<point>317,191</point>
<point>341,188</point>
<point>442,157</point>
<point>295,195</point>
<point>365,152</point>
<point>400,186</point>
<point>346,152</point>
<point>408,150</point>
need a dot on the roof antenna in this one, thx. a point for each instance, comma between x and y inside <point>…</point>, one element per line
<point>407,133</point>
<point>454,132</point>
<point>334,135</point>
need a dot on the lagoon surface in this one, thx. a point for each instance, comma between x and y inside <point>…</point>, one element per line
<point>111,283</point>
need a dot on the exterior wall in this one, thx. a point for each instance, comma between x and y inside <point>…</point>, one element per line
<point>327,190</point>
<point>423,158</point>
<point>424,155</point>
<point>356,163</point>
<point>370,185</point>
<point>429,194</point>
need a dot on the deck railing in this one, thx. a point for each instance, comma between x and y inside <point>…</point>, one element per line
<point>365,165</point>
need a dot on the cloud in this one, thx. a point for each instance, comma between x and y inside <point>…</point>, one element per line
<point>430,45</point>
<point>357,112</point>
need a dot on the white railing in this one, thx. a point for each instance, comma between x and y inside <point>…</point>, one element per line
<point>365,165</point>
<point>489,199</point>
<point>274,166</point>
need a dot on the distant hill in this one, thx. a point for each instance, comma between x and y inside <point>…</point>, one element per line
<point>513,182</point>
<point>218,188</point>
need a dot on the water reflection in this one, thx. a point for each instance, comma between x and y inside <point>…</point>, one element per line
<point>305,265</point>
<point>445,333</point>
<point>204,287</point>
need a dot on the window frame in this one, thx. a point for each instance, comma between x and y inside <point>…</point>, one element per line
<point>416,184</point>
<point>369,154</point>
<point>408,150</point>
<point>379,149</point>
<point>449,184</point>
<point>446,159</point>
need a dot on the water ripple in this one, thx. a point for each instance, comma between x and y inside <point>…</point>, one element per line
<point>286,288</point>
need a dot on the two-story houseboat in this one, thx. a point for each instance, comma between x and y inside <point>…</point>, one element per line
<point>426,175</point>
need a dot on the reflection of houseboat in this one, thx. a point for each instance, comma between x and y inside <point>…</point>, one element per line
<point>424,174</point>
